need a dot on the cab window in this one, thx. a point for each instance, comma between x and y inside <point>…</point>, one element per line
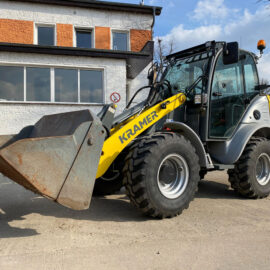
<point>250,75</point>
<point>185,72</point>
<point>227,99</point>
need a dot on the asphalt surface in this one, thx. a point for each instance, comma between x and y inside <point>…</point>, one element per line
<point>220,230</point>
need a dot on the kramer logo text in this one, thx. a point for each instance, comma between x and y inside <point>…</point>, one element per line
<point>138,127</point>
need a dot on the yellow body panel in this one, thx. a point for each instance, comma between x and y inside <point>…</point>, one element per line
<point>127,131</point>
<point>268,97</point>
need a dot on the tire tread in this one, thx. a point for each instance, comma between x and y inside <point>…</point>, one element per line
<point>135,169</point>
<point>238,177</point>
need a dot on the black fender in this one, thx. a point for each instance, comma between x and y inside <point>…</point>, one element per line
<point>185,130</point>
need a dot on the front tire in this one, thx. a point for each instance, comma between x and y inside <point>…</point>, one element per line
<point>251,175</point>
<point>161,174</point>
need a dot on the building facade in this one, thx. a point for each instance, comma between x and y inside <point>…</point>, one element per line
<point>58,56</point>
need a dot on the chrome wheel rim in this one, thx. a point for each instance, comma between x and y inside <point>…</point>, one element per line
<point>173,176</point>
<point>263,169</point>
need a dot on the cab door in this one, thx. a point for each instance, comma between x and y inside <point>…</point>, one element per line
<point>227,99</point>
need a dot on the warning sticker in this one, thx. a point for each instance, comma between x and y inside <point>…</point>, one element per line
<point>115,97</point>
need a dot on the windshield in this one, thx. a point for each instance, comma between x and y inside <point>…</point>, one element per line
<point>183,73</point>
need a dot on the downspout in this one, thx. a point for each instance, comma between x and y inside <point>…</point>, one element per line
<point>154,20</point>
<point>152,30</point>
<point>127,91</point>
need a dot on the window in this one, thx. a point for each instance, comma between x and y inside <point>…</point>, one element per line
<point>38,84</point>
<point>91,85</point>
<point>84,38</point>
<point>11,83</point>
<point>45,35</point>
<point>251,76</point>
<point>48,84</point>
<point>120,41</point>
<point>228,80</point>
<point>66,85</point>
<point>185,72</point>
<point>227,99</point>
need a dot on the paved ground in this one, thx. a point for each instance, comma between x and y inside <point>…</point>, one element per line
<point>218,231</point>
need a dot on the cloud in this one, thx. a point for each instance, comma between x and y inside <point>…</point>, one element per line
<point>264,67</point>
<point>247,29</point>
<point>183,38</point>
<point>206,9</point>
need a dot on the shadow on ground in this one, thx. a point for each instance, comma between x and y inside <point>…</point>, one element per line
<point>16,202</point>
<point>215,190</point>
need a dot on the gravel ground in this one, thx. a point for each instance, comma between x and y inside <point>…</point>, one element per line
<point>219,231</point>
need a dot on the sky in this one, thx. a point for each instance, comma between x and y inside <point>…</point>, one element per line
<point>191,22</point>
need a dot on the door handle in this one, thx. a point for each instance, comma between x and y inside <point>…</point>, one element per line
<point>217,94</point>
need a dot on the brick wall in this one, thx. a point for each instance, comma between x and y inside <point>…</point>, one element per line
<point>138,39</point>
<point>16,31</point>
<point>20,31</point>
<point>65,35</point>
<point>103,38</point>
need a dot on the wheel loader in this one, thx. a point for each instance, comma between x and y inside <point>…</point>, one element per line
<point>205,111</point>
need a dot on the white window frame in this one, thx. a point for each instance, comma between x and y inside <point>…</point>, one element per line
<point>44,25</point>
<point>121,31</point>
<point>52,84</point>
<point>103,85</point>
<point>78,71</point>
<point>25,82</point>
<point>86,29</point>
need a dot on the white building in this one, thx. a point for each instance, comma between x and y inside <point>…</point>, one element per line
<point>63,55</point>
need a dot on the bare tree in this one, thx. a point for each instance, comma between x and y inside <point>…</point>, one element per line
<point>162,49</point>
<point>159,51</point>
<point>171,46</point>
<point>264,81</point>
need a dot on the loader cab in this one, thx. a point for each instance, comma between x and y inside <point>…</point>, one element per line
<point>231,89</point>
<point>217,102</point>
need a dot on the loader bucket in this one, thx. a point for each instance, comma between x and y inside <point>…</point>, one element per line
<point>57,157</point>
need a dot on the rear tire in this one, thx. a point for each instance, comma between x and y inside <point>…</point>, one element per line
<point>161,174</point>
<point>251,175</point>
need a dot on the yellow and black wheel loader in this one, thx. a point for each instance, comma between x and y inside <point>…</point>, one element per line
<point>206,110</point>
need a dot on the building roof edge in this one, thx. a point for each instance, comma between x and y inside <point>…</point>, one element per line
<point>114,6</point>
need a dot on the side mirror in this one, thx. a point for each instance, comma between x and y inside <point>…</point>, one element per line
<point>230,53</point>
